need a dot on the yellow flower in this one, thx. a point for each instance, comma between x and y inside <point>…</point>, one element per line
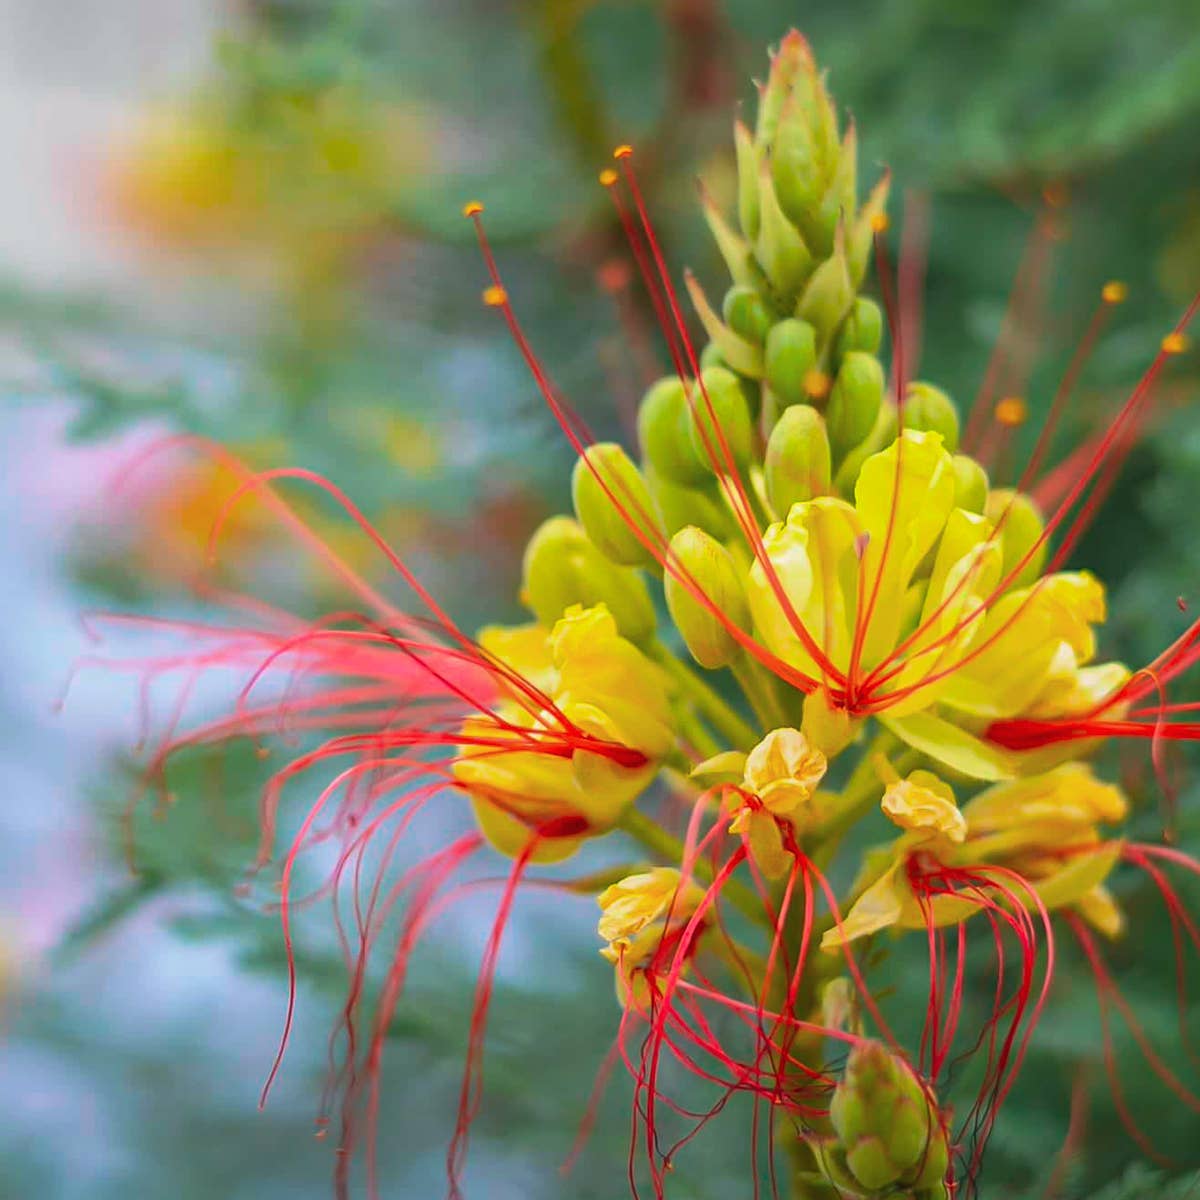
<point>524,774</point>
<point>781,776</point>
<point>638,914</point>
<point>1044,829</point>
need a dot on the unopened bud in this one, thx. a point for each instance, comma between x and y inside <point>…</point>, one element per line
<point>1020,526</point>
<point>970,483</point>
<point>614,505</point>
<point>746,313</point>
<point>734,248</point>
<point>562,567</point>
<point>791,355</point>
<point>680,506</point>
<point>927,407</point>
<point>797,465</point>
<point>663,433</point>
<point>741,354</point>
<point>703,565</point>
<point>747,175</point>
<point>855,401</point>
<point>887,1129</point>
<point>862,329</point>
<point>780,246</point>
<point>829,293</point>
<point>796,168</point>
<point>718,397</point>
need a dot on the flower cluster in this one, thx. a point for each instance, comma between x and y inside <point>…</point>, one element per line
<point>861,622</point>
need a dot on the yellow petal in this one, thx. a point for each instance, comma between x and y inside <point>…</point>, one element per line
<point>951,746</point>
<point>879,907</point>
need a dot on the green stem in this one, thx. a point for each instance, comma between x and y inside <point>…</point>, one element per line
<point>759,692</point>
<point>722,716</point>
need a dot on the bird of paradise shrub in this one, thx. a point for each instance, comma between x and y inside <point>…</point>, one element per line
<point>860,621</point>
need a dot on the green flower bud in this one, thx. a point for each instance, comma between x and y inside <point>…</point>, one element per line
<point>562,567</point>
<point>862,329</point>
<point>882,433</point>
<point>780,246</point>
<point>704,562</point>
<point>682,506</point>
<point>663,423</point>
<point>970,483</point>
<point>721,396</point>
<point>735,250</point>
<point>855,401</point>
<point>1020,525</point>
<point>611,501</point>
<point>791,353</point>
<point>797,465</point>
<point>748,174</point>
<point>742,355</point>
<point>787,62</point>
<point>829,293</point>
<point>928,407</point>
<point>887,1129</point>
<point>746,313</point>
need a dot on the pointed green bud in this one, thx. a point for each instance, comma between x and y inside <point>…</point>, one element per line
<point>882,433</point>
<point>562,567</point>
<point>855,401</point>
<point>611,501</point>
<point>970,484</point>
<point>705,563</point>
<point>829,294</point>
<point>780,246</point>
<point>791,355</point>
<point>862,329</point>
<point>720,397</point>
<point>797,465</point>
<point>663,424</point>
<point>682,506</point>
<point>747,173</point>
<point>742,355</point>
<point>844,188</point>
<point>796,169</point>
<point>746,314</point>
<point>787,62</point>
<point>871,218</point>
<point>887,1129</point>
<point>1020,525</point>
<point>735,250</point>
<point>928,407</point>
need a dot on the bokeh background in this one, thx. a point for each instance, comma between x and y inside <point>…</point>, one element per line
<point>241,219</point>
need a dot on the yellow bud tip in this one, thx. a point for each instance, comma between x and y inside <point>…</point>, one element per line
<point>880,223</point>
<point>472,209</point>
<point>623,151</point>
<point>1114,292</point>
<point>608,177</point>
<point>1012,411</point>
<point>1175,343</point>
<point>817,384</point>
<point>495,297</point>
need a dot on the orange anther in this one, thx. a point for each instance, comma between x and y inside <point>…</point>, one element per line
<point>623,151</point>
<point>1055,194</point>
<point>817,384</point>
<point>495,296</point>
<point>880,223</point>
<point>1012,411</point>
<point>1114,292</point>
<point>472,209</point>
<point>608,177</point>
<point>1175,343</point>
